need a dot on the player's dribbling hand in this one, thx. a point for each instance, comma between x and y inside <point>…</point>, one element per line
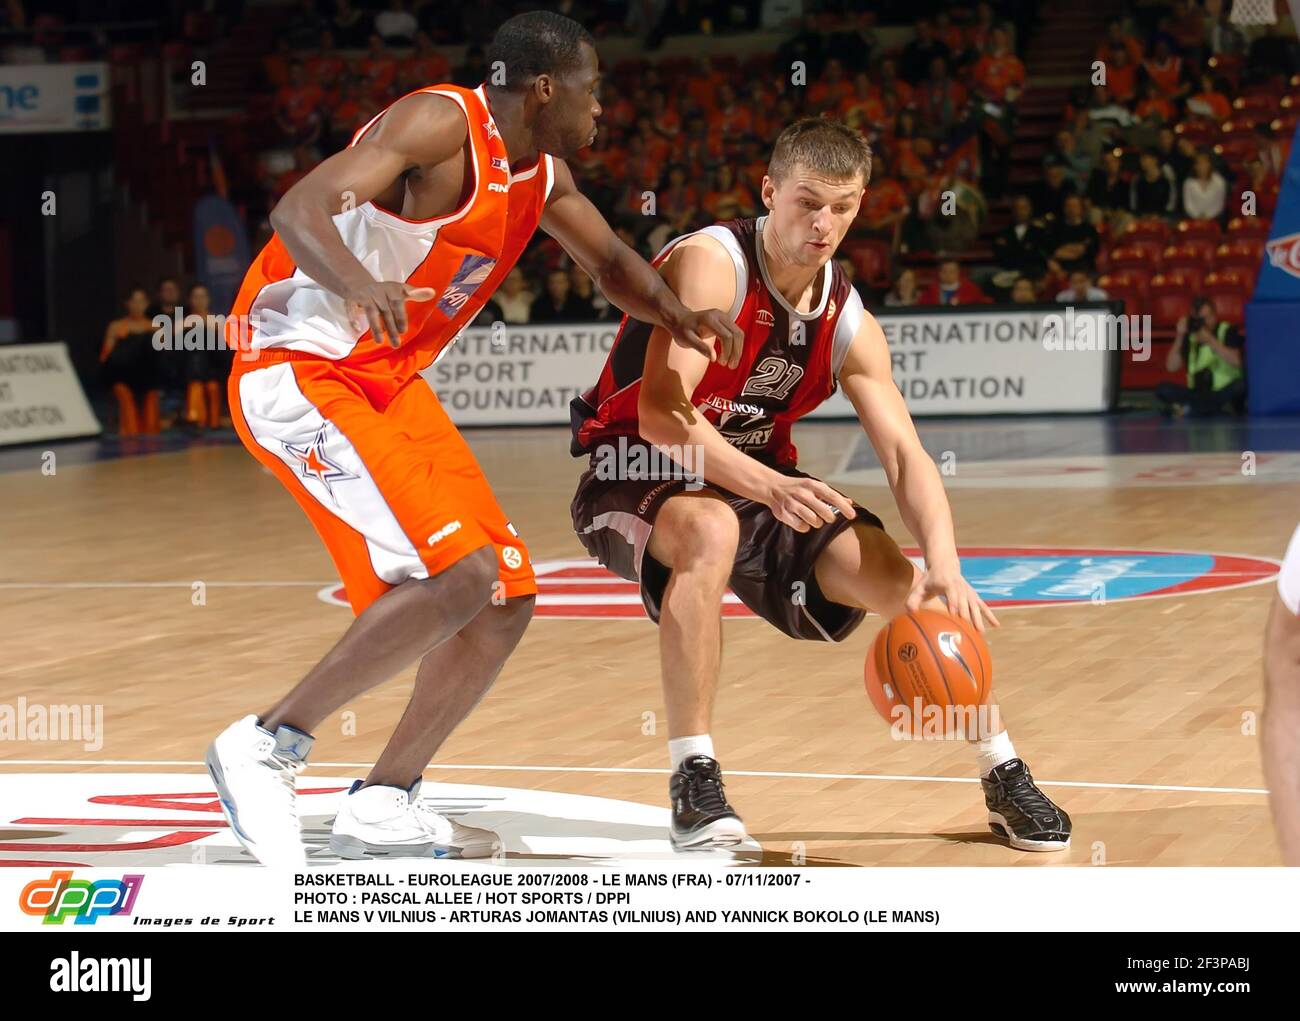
<point>944,581</point>
<point>805,503</point>
<point>382,304</point>
<point>698,330</point>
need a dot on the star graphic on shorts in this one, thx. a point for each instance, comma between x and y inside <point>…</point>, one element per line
<point>313,464</point>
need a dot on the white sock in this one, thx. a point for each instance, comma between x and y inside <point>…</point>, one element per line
<point>993,751</point>
<point>682,748</point>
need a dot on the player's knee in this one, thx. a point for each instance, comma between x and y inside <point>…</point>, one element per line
<point>476,574</point>
<point>706,534</point>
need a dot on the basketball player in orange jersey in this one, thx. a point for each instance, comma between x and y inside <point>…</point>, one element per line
<point>380,256</point>
<point>794,550</point>
<point>1281,730</point>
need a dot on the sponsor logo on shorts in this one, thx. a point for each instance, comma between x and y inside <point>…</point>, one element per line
<point>649,498</point>
<point>314,464</point>
<point>443,532</point>
<point>512,557</point>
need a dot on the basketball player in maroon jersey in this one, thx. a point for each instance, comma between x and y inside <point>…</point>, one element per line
<point>795,551</point>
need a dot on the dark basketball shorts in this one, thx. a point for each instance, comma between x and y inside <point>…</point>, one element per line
<point>774,563</point>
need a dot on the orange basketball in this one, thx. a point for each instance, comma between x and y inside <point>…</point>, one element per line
<point>927,659</point>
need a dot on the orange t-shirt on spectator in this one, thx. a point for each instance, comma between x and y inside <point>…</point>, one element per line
<point>714,199</point>
<point>1159,106</point>
<point>431,69</point>
<point>1166,76</point>
<point>752,174</point>
<point>733,122</point>
<point>379,73</point>
<point>883,198</point>
<point>995,75</point>
<point>298,104</point>
<point>621,114</point>
<point>703,88</point>
<point>871,110</point>
<point>1122,82</point>
<point>1132,45</point>
<point>325,70</point>
<point>693,151</point>
<point>828,94</point>
<point>1220,108</point>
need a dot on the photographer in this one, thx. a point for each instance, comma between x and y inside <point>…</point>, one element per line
<point>1212,352</point>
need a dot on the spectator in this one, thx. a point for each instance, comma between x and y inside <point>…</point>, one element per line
<point>891,84</point>
<point>297,107</point>
<point>513,298</point>
<point>396,25</point>
<point>1166,69</point>
<point>1072,240</point>
<point>1212,353</point>
<point>207,367</point>
<point>1077,166</point>
<point>352,111</point>
<point>1050,194</point>
<point>863,108</point>
<point>1210,102</point>
<point>1256,192</point>
<point>1108,194</point>
<point>952,288</point>
<point>884,205</point>
<point>1023,293</point>
<point>489,314</point>
<point>325,68</point>
<point>130,367</point>
<point>1152,193</point>
<point>559,304</point>
<point>596,306</point>
<point>1205,192</point>
<point>1118,38</point>
<point>727,193</point>
<point>426,65</point>
<point>851,275</point>
<point>1121,75</point>
<point>1154,108</point>
<point>377,69</point>
<point>1081,289</point>
<point>1020,248</point>
<point>304,28</point>
<point>678,200</point>
<point>904,293</point>
<point>828,91</point>
<point>940,102</point>
<point>919,54</point>
<point>351,27</point>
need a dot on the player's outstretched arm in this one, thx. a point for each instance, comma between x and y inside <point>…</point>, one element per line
<point>420,130</point>
<point>701,272</point>
<point>628,280</point>
<point>868,383</point>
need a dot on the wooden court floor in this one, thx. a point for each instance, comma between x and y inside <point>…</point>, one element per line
<point>1136,716</point>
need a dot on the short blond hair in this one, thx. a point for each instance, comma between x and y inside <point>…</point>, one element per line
<point>823,146</point>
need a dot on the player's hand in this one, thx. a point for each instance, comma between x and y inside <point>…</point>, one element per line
<point>944,581</point>
<point>804,503</point>
<point>707,330</point>
<point>382,304</point>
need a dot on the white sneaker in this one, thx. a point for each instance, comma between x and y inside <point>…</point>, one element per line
<point>254,772</point>
<point>388,822</point>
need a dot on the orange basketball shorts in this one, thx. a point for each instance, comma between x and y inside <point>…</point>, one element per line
<point>394,492</point>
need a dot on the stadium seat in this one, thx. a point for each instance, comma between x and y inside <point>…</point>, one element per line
<point>1141,254</point>
<point>871,260</point>
<point>1193,253</point>
<point>1198,230</point>
<point>1126,286</point>
<point>1146,230</point>
<point>1254,228</point>
<point>1170,299</point>
<point>1229,290</point>
<point>1241,254</point>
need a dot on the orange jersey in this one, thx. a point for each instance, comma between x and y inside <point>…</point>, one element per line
<point>462,256</point>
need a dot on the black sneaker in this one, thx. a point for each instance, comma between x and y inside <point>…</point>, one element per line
<point>1022,813</point>
<point>701,816</point>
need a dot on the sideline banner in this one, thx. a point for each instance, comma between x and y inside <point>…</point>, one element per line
<point>976,360</point>
<point>40,395</point>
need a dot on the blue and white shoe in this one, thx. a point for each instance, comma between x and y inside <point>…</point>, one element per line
<point>389,822</point>
<point>254,771</point>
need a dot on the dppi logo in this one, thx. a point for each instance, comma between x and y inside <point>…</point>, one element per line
<point>61,896</point>
<point>1284,253</point>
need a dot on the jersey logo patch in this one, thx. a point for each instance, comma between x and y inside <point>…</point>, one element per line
<point>469,277</point>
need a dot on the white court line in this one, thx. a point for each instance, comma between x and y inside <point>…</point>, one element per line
<point>161,584</point>
<point>643,769</point>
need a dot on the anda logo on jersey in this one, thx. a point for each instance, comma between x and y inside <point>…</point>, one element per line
<point>468,278</point>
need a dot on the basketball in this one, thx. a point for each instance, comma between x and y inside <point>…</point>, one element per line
<point>926,660</point>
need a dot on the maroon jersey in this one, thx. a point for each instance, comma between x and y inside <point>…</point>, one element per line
<point>788,367</point>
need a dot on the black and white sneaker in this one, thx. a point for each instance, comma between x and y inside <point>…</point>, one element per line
<point>1021,813</point>
<point>701,816</point>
